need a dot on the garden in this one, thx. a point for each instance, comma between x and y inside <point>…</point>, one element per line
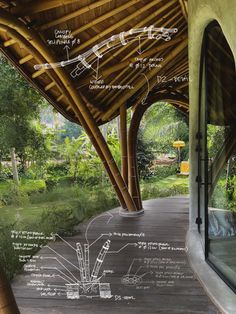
<point>51,178</point>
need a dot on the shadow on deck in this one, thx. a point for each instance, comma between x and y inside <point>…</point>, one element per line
<point>134,265</point>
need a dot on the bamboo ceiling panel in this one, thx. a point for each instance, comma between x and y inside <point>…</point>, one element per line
<point>105,53</point>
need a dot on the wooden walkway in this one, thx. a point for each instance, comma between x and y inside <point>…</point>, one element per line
<point>142,267</point>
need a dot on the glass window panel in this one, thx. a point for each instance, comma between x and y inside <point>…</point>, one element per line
<point>220,100</point>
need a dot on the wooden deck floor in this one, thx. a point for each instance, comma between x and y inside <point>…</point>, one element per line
<point>144,267</point>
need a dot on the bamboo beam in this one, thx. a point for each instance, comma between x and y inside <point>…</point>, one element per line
<point>7,301</point>
<point>49,86</point>
<point>9,42</point>
<point>152,82</point>
<point>33,6</point>
<point>123,141</point>
<point>126,63</point>
<point>59,98</point>
<point>113,27</point>
<point>141,82</point>
<point>7,19</point>
<point>83,10</point>
<point>38,73</point>
<point>25,59</point>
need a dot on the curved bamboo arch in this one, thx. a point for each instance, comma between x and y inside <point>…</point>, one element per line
<point>176,100</point>
<point>79,106</point>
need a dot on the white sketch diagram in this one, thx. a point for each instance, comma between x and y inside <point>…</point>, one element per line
<point>87,272</point>
<point>85,280</point>
<point>87,60</point>
<point>132,278</point>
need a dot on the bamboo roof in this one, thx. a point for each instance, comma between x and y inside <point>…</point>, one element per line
<point>30,31</point>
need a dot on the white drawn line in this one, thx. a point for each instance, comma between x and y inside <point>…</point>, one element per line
<point>163,33</point>
<point>131,265</point>
<point>57,235</point>
<point>55,258</point>
<point>62,257</point>
<point>102,235</point>
<point>145,97</point>
<point>113,252</point>
<point>88,226</point>
<point>63,278</point>
<point>60,271</point>
<point>139,269</point>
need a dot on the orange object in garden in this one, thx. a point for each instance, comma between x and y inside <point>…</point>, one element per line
<point>184,168</point>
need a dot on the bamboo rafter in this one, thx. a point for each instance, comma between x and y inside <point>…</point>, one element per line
<point>113,27</point>
<point>131,53</point>
<point>134,76</point>
<point>85,9</point>
<point>39,6</point>
<point>141,82</point>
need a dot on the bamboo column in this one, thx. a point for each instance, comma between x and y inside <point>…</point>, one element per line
<point>7,301</point>
<point>101,156</point>
<point>140,109</point>
<point>123,142</point>
<point>133,177</point>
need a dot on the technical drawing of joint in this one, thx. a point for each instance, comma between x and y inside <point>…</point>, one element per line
<point>133,279</point>
<point>88,58</point>
<point>90,285</point>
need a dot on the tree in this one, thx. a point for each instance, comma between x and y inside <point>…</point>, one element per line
<point>19,111</point>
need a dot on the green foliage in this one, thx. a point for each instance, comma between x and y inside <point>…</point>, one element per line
<point>70,130</point>
<point>224,198</point>
<point>9,259</point>
<point>58,220</point>
<point>19,115</point>
<point>60,211</point>
<point>11,194</point>
<point>161,172</point>
<point>215,138</point>
<point>84,165</point>
<point>5,173</point>
<point>145,156</point>
<point>164,125</point>
<point>169,186</point>
<point>15,196</point>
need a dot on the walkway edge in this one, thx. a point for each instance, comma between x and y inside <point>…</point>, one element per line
<point>223,297</point>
